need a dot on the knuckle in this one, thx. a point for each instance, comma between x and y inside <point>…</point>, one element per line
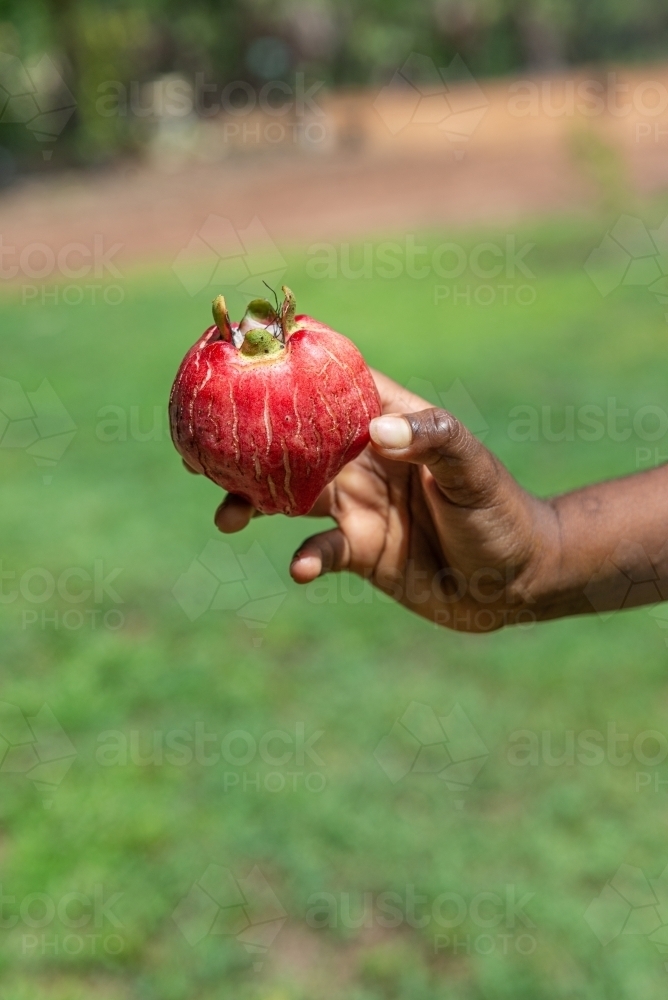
<point>445,437</point>
<point>433,428</point>
<point>441,428</point>
<point>327,555</point>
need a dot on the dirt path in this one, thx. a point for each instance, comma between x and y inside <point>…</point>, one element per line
<point>511,168</point>
<point>154,215</point>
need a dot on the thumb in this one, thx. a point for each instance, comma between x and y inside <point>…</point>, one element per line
<point>464,470</point>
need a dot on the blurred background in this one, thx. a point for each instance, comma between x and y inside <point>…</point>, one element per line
<point>214,783</point>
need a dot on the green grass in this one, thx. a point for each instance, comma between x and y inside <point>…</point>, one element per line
<point>339,660</point>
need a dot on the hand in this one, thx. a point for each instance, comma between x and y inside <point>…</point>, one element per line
<point>429,516</point>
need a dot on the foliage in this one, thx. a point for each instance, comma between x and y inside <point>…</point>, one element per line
<point>351,42</point>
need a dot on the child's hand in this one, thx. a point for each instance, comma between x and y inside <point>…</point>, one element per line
<point>431,517</point>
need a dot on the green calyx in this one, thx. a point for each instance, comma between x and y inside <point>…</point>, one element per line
<point>261,311</point>
<point>259,342</point>
<point>263,329</point>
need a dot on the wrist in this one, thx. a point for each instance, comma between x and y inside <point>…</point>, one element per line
<point>541,586</point>
<point>563,563</point>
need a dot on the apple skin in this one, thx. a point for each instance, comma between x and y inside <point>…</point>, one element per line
<point>273,429</point>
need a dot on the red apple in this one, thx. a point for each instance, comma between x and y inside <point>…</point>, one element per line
<point>273,407</point>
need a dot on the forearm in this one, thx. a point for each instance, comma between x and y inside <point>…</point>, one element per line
<point>607,547</point>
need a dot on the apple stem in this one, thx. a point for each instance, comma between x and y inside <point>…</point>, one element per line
<point>222,317</point>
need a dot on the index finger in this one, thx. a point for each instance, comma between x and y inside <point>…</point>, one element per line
<point>233,514</point>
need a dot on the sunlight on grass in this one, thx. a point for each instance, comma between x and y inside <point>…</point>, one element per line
<point>133,677</point>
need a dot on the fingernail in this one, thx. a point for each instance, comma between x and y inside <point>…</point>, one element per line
<point>391,432</point>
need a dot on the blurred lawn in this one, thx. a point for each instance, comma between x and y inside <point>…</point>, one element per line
<point>349,667</point>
